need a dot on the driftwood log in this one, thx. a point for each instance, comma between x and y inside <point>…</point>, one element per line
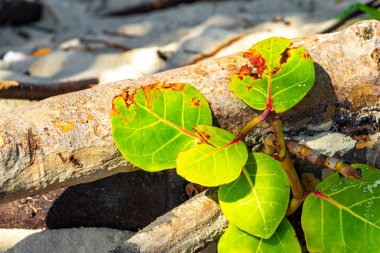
<point>187,228</point>
<point>66,140</point>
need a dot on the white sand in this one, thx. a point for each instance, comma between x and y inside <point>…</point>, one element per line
<point>73,240</point>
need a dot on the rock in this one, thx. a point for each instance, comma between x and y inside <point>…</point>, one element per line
<point>74,240</point>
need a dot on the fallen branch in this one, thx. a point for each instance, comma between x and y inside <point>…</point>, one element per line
<point>106,43</point>
<point>146,6</point>
<point>66,140</point>
<point>36,89</point>
<point>187,228</point>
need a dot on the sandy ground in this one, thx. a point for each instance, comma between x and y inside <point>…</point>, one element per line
<point>73,240</point>
<point>85,44</point>
<point>158,40</point>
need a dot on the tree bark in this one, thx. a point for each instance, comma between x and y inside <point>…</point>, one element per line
<point>187,228</point>
<point>66,140</point>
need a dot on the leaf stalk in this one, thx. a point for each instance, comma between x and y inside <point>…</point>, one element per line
<point>254,122</point>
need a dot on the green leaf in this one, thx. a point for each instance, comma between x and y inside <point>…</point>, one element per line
<point>284,240</point>
<point>257,201</point>
<point>373,12</point>
<point>343,215</point>
<point>152,124</point>
<point>284,74</point>
<point>217,160</point>
<point>362,166</point>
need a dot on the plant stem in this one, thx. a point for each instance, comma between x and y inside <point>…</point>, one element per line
<point>294,204</point>
<point>254,122</point>
<point>276,124</point>
<point>269,148</point>
<point>295,184</point>
<point>287,164</point>
<point>320,159</point>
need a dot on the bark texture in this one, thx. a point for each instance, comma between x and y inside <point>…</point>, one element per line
<point>66,140</point>
<point>187,228</point>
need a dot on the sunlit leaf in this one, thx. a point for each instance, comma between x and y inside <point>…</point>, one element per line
<point>284,240</point>
<point>218,160</point>
<point>284,74</point>
<point>343,215</point>
<point>257,201</point>
<point>151,125</point>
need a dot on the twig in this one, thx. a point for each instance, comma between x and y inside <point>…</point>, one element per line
<point>106,43</point>
<point>118,34</point>
<point>216,50</point>
<point>50,12</point>
<point>42,28</point>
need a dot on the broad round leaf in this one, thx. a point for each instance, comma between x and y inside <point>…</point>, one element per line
<point>257,201</point>
<point>284,240</point>
<point>218,160</point>
<point>284,74</point>
<point>343,215</point>
<point>152,124</point>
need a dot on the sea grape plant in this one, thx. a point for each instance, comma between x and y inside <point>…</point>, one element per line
<point>169,125</point>
<point>370,8</point>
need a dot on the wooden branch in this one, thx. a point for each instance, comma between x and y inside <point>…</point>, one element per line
<point>38,88</point>
<point>146,6</point>
<point>66,140</point>
<point>187,228</point>
<point>110,44</point>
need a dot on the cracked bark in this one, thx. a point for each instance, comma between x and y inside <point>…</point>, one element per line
<point>66,140</point>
